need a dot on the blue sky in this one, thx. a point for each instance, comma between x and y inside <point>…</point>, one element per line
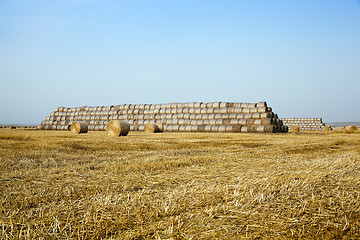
<point>301,56</point>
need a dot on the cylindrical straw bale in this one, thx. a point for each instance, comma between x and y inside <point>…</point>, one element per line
<point>219,121</point>
<point>198,116</point>
<point>350,129</point>
<point>269,128</point>
<point>257,121</point>
<point>218,116</point>
<point>152,128</point>
<point>182,128</point>
<point>221,128</point>
<point>199,122</point>
<point>197,110</point>
<point>192,110</point>
<point>209,110</point>
<point>203,110</point>
<point>214,128</point>
<point>253,110</point>
<point>236,128</point>
<point>268,109</point>
<point>265,115</point>
<point>117,128</point>
<point>247,115</point>
<point>234,121</point>
<point>261,109</point>
<point>79,127</point>
<point>186,115</point>
<point>193,122</point>
<point>169,116</point>
<point>255,115</point>
<point>188,128</point>
<point>206,121</point>
<point>267,121</point>
<point>207,128</point>
<point>225,116</point>
<point>197,104</point>
<point>326,129</point>
<point>212,121</point>
<point>246,110</point>
<point>216,104</point>
<point>261,104</point>
<point>260,128</point>
<point>294,128</point>
<point>226,122</point>
<point>201,128</point>
<point>250,121</point>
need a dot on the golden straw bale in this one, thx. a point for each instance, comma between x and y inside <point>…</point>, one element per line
<point>294,128</point>
<point>350,129</point>
<point>117,128</point>
<point>326,129</point>
<point>79,127</point>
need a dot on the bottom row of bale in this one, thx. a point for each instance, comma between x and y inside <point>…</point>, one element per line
<point>121,128</point>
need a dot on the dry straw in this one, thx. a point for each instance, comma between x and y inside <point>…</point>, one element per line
<point>117,128</point>
<point>294,128</point>
<point>79,127</point>
<point>153,128</point>
<point>350,129</point>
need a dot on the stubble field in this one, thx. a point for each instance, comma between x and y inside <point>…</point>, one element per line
<point>57,185</point>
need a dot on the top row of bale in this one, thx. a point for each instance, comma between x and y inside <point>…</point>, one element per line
<point>162,106</point>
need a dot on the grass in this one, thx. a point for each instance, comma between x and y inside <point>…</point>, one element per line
<point>57,185</point>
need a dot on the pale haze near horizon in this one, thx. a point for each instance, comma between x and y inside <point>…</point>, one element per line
<point>301,57</point>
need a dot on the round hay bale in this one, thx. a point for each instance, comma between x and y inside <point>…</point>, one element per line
<point>294,128</point>
<point>236,128</point>
<point>198,104</point>
<point>212,121</point>
<point>269,129</point>
<point>79,127</point>
<point>246,110</point>
<point>226,122</point>
<point>206,122</point>
<point>216,104</point>
<point>207,128</point>
<point>260,128</point>
<point>350,129</point>
<point>261,104</point>
<point>228,128</point>
<point>253,110</point>
<point>209,110</point>
<point>201,128</point>
<point>326,128</point>
<point>203,110</point>
<point>244,129</point>
<point>199,122</point>
<point>192,110</point>
<point>117,128</point>
<point>182,128</point>
<point>152,128</point>
<point>218,116</point>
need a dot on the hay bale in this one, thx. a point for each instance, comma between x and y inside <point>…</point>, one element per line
<point>294,128</point>
<point>117,128</point>
<point>261,104</point>
<point>79,127</point>
<point>326,128</point>
<point>350,129</point>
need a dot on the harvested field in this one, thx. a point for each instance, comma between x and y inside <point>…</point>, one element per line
<point>55,184</point>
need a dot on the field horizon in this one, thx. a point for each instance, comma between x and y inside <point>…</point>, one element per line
<point>56,184</point>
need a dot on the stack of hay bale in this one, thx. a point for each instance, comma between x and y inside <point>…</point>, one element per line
<point>304,124</point>
<point>173,117</point>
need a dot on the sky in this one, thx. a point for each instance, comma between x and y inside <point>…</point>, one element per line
<point>300,56</point>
